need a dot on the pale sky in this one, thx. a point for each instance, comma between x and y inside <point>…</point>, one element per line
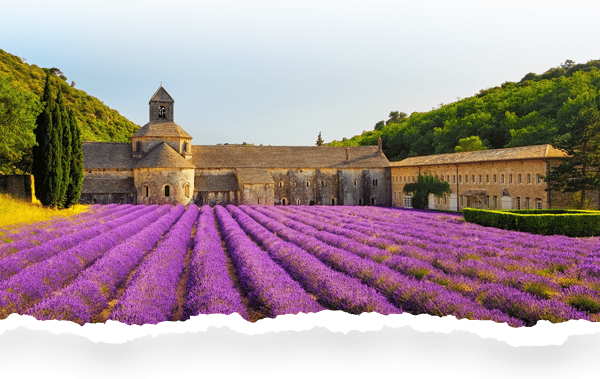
<point>280,72</point>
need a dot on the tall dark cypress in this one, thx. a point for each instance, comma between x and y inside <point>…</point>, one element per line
<point>66,152</point>
<point>56,170</point>
<point>44,187</point>
<point>76,166</point>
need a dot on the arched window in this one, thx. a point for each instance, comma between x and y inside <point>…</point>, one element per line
<point>258,201</point>
<point>283,201</point>
<point>323,183</point>
<point>359,201</point>
<point>372,201</point>
<point>298,201</point>
<point>162,111</point>
<point>187,190</point>
<point>280,183</point>
<point>355,182</point>
<point>138,146</point>
<point>333,201</point>
<point>167,190</point>
<point>308,183</point>
<point>185,146</point>
<point>146,190</point>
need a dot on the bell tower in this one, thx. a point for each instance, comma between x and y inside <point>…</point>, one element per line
<point>161,107</point>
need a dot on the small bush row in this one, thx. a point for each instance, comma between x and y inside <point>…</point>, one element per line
<point>572,223</point>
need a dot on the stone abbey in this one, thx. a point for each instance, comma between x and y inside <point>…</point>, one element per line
<point>160,165</point>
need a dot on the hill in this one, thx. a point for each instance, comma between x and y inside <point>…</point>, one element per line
<point>97,121</point>
<point>514,114</point>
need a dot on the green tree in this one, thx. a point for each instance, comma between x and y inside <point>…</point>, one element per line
<point>42,152</point>
<point>425,185</point>
<point>472,143</point>
<point>581,141</point>
<point>66,155</point>
<point>19,109</point>
<point>319,140</point>
<point>56,170</point>
<point>76,165</point>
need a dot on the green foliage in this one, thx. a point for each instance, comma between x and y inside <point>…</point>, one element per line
<point>425,185</point>
<point>55,155</point>
<point>19,109</point>
<point>96,120</point>
<point>76,164</point>
<point>580,138</point>
<point>570,223</point>
<point>42,164</point>
<point>472,143</point>
<point>529,112</point>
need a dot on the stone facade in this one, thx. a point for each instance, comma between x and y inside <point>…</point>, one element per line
<point>19,186</point>
<point>492,179</point>
<point>160,165</point>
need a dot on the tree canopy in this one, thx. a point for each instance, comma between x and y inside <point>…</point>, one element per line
<point>21,89</point>
<point>528,112</point>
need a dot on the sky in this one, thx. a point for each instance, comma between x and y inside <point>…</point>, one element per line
<point>280,72</point>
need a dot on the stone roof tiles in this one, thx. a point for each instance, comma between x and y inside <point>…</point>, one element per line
<point>226,156</point>
<point>161,95</point>
<point>102,185</point>
<point>107,155</point>
<point>513,153</point>
<point>161,129</point>
<point>254,176</point>
<point>163,156</point>
<point>220,182</point>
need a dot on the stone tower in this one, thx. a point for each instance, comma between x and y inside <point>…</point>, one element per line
<point>163,171</point>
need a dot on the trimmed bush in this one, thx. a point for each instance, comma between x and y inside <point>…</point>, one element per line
<point>572,223</point>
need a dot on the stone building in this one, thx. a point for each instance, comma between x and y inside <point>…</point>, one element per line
<point>509,178</point>
<point>160,165</point>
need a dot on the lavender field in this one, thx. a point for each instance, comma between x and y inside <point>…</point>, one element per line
<point>147,264</point>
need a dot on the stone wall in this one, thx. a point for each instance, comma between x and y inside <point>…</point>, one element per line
<point>18,186</point>
<point>156,179</point>
<point>519,180</point>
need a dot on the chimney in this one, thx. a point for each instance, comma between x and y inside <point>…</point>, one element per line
<point>379,145</point>
<point>347,154</point>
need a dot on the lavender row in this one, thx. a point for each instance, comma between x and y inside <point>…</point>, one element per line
<point>88,295</point>
<point>409,294</point>
<point>530,306</point>
<point>333,289</point>
<point>540,263</point>
<point>34,283</point>
<point>209,287</point>
<point>152,295</point>
<point>15,263</point>
<point>267,285</point>
<point>43,236</point>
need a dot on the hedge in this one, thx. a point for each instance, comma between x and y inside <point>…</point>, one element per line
<point>572,223</point>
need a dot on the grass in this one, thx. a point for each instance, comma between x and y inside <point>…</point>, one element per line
<point>14,211</point>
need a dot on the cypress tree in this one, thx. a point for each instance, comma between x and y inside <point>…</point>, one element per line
<point>76,166</point>
<point>56,171</point>
<point>41,153</point>
<point>66,152</point>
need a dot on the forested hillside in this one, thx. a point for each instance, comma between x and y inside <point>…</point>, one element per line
<point>532,111</point>
<point>21,86</point>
